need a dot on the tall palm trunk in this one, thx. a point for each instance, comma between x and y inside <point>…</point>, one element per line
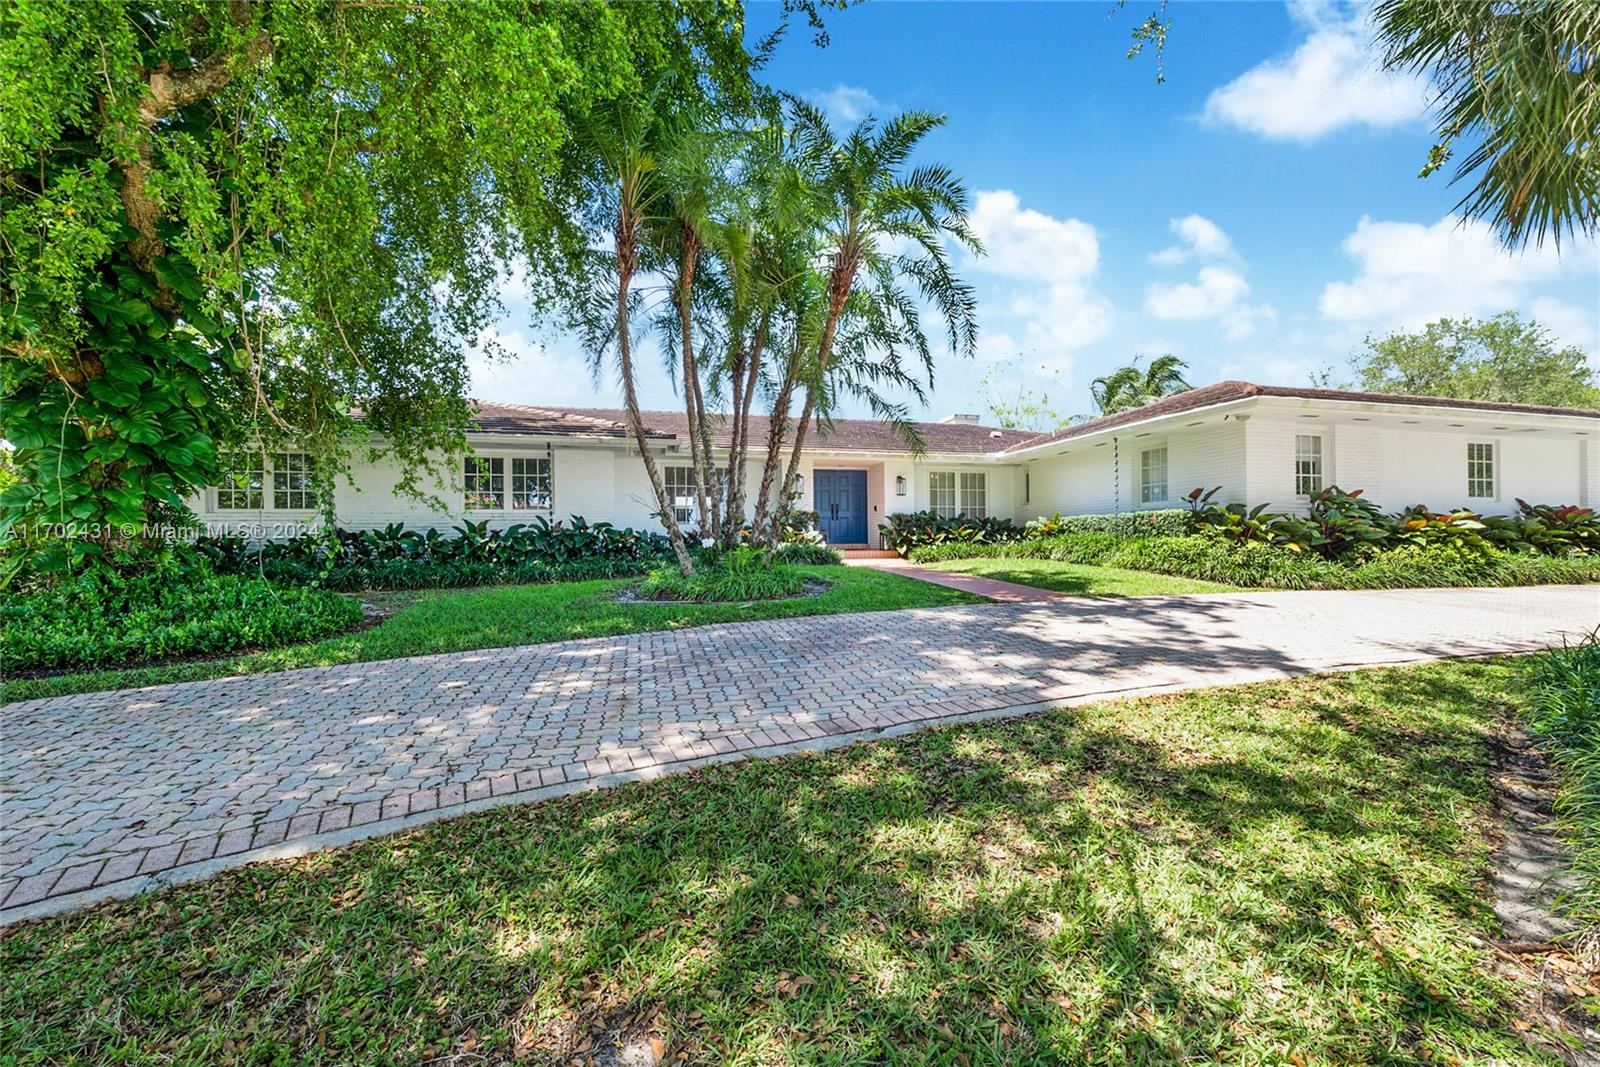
<point>765,525</point>
<point>693,399</point>
<point>627,248</point>
<point>840,280</point>
<point>746,372</point>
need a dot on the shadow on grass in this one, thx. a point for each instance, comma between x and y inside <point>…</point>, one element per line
<point>1234,874</point>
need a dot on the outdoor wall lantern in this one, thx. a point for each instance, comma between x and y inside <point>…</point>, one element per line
<point>899,485</point>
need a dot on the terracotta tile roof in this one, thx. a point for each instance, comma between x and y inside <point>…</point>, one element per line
<point>844,435</point>
<point>948,438</point>
<point>552,422</point>
<point>1227,391</point>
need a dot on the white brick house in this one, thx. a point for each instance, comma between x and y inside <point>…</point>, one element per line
<point>1261,444</point>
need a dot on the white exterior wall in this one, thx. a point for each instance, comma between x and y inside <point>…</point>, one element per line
<point>1084,480</point>
<point>1397,466</point>
<point>1398,460</point>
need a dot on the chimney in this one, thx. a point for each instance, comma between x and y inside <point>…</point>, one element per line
<point>965,420</point>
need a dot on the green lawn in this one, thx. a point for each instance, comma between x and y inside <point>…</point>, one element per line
<point>461,619</point>
<point>1282,873</point>
<point>1081,579</point>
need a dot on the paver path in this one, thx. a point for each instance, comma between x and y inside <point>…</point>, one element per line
<point>105,794</point>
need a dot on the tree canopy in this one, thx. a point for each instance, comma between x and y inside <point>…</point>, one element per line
<point>1505,359</point>
<point>1520,81</point>
<point>232,223</point>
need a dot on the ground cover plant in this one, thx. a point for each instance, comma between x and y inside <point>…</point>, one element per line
<point>1564,714</point>
<point>454,620</point>
<point>1287,871</point>
<point>102,617</point>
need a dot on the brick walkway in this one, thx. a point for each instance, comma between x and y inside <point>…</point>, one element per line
<point>108,794</point>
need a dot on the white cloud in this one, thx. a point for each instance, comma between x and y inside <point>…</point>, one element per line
<point>1411,274</point>
<point>1216,293</point>
<point>1216,290</point>
<point>1199,238</point>
<point>1333,79</point>
<point>847,104</point>
<point>1054,260</point>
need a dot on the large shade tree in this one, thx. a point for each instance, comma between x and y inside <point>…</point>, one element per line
<point>226,224</point>
<point>1507,359</point>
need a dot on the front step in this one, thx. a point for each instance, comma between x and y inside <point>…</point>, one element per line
<point>862,552</point>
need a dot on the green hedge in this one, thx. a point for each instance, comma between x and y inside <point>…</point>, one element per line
<point>1268,566</point>
<point>103,618</point>
<point>1167,522</point>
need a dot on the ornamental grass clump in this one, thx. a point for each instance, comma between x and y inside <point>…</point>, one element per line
<point>740,574</point>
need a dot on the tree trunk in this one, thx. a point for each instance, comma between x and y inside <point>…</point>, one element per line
<point>839,284</point>
<point>777,431</point>
<point>693,399</point>
<point>627,245</point>
<point>746,373</point>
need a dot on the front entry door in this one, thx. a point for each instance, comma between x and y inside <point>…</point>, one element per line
<point>841,503</point>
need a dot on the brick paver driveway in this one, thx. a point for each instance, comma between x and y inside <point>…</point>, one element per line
<point>106,794</point>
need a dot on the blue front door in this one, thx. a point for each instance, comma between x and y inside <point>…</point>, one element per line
<point>841,503</point>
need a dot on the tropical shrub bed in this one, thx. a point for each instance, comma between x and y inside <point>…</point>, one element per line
<point>915,529</point>
<point>1339,525</point>
<point>1564,714</point>
<point>743,573</point>
<point>398,558</point>
<point>1265,565</point>
<point>102,617</point>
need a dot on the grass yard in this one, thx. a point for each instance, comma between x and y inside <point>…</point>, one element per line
<point>457,620</point>
<point>1081,579</point>
<point>1281,873</point>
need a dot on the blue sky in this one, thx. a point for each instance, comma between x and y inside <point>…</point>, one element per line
<point>1257,214</point>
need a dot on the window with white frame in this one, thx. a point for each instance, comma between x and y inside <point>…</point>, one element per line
<point>243,482</point>
<point>1153,475</point>
<point>1027,486</point>
<point>530,483</point>
<point>680,490</point>
<point>942,498</point>
<point>974,494</point>
<point>1480,469</point>
<point>483,479</point>
<point>1307,464</point>
<point>291,482</point>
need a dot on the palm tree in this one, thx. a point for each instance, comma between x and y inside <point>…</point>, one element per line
<point>1520,79</point>
<point>626,143</point>
<point>690,173</point>
<point>1132,386</point>
<point>871,205</point>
